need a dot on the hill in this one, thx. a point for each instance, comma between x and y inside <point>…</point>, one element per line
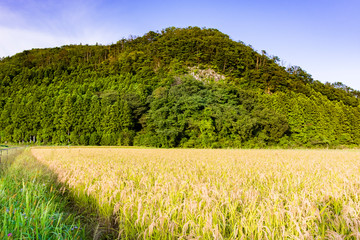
<point>181,87</point>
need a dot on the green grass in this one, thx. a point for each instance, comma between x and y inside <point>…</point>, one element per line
<point>32,203</point>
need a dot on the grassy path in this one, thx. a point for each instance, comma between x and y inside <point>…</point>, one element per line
<point>32,203</point>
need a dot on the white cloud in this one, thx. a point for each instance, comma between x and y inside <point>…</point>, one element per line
<point>16,40</point>
<point>50,25</point>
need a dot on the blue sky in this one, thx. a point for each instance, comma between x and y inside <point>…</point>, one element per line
<point>323,37</point>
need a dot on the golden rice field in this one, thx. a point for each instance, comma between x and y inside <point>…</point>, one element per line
<point>215,194</point>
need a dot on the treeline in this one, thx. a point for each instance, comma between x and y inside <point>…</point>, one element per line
<point>140,91</point>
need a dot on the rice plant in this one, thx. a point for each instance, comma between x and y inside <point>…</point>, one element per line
<point>215,194</point>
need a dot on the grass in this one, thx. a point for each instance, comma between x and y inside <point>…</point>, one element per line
<point>32,204</point>
<point>214,194</point>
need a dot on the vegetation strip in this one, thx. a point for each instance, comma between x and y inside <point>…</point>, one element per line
<point>32,204</point>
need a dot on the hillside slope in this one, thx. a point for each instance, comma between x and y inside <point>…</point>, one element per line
<point>186,87</point>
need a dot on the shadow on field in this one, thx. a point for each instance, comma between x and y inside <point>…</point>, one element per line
<point>85,208</point>
<point>98,227</point>
<point>95,226</point>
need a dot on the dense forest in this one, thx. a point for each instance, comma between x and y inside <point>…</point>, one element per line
<point>181,87</point>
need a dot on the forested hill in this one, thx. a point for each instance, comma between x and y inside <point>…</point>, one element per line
<point>181,87</point>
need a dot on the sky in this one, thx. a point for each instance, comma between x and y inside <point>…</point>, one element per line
<point>320,36</point>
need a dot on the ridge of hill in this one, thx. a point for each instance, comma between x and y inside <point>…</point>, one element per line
<point>181,87</point>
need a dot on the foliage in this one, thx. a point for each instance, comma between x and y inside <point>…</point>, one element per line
<point>192,114</point>
<point>140,91</point>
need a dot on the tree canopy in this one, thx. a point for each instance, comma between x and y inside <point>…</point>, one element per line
<point>181,87</point>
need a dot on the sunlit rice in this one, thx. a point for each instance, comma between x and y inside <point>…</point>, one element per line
<point>230,194</point>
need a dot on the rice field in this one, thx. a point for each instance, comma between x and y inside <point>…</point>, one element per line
<point>213,194</point>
